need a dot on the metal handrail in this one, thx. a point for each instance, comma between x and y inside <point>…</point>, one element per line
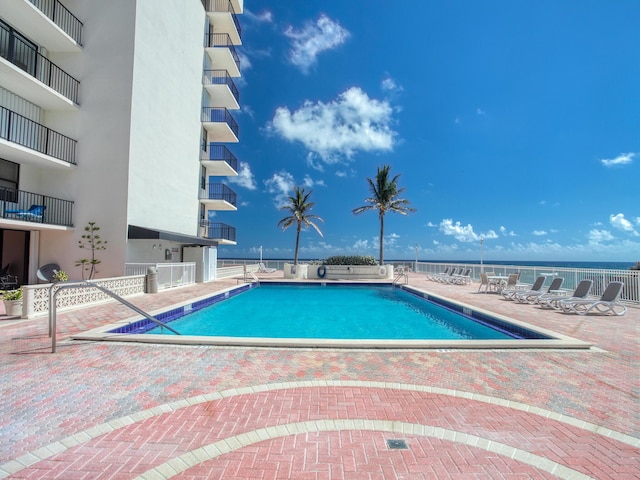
<point>59,286</point>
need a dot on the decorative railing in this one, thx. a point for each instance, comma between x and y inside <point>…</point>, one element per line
<point>36,297</point>
<point>27,206</point>
<point>221,77</point>
<point>62,17</point>
<point>25,57</point>
<point>219,191</point>
<point>220,115</point>
<point>223,6</point>
<point>219,153</point>
<point>212,40</point>
<point>217,231</point>
<point>27,133</point>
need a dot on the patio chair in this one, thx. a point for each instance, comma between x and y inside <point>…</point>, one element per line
<point>435,276</point>
<point>461,279</point>
<point>35,212</point>
<point>484,282</point>
<point>537,285</point>
<point>552,300</point>
<point>7,281</point>
<point>263,269</point>
<point>530,297</point>
<point>608,302</point>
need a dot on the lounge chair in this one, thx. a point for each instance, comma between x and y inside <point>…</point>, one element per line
<point>537,285</point>
<point>608,302</point>
<point>461,279</point>
<point>435,276</point>
<point>35,212</point>
<point>263,269</point>
<point>530,297</point>
<point>552,300</point>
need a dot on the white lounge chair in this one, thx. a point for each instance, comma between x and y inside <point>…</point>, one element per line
<point>530,297</point>
<point>435,276</point>
<point>552,300</point>
<point>263,269</point>
<point>608,302</point>
<point>537,285</point>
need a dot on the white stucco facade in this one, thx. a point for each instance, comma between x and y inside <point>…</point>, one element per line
<point>136,125</point>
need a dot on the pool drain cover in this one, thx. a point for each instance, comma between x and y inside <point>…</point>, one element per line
<point>397,444</point>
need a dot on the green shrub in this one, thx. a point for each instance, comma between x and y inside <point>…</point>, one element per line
<point>351,260</point>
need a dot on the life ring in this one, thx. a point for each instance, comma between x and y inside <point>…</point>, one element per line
<point>322,271</point>
<point>382,270</point>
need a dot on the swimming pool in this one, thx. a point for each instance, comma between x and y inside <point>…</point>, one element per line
<point>339,315</point>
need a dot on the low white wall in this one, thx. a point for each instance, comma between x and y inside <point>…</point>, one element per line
<point>351,272</point>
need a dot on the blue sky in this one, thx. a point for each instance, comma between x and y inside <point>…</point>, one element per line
<point>511,121</point>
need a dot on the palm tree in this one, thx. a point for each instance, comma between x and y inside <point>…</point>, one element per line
<point>385,199</point>
<point>299,207</point>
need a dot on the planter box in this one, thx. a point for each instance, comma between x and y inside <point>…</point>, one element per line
<point>351,272</point>
<point>295,271</point>
<point>13,308</point>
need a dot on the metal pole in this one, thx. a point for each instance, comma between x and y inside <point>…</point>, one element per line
<point>260,253</point>
<point>415,268</point>
<point>481,265</point>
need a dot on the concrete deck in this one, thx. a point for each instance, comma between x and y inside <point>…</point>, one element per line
<point>122,411</point>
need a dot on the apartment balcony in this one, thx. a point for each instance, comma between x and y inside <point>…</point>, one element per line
<point>219,232</point>
<point>217,196</point>
<point>224,17</point>
<point>47,22</point>
<point>221,89</point>
<point>24,141</point>
<point>222,52</point>
<point>24,209</point>
<point>27,73</point>
<point>219,162</point>
<point>220,125</point>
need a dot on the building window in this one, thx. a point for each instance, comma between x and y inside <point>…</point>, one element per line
<point>9,176</point>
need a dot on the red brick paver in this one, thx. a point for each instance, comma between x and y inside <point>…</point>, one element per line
<point>88,387</point>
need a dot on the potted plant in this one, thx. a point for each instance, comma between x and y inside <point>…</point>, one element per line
<point>12,300</point>
<point>60,276</point>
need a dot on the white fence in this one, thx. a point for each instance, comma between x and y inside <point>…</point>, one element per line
<point>572,276</point>
<point>169,274</point>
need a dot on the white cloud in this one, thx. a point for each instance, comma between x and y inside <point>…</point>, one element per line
<point>431,224</point>
<point>263,17</point>
<point>618,221</point>
<point>539,233</point>
<point>598,236</point>
<point>309,182</point>
<point>313,39</point>
<point>479,111</point>
<point>280,185</point>
<point>463,233</point>
<point>622,159</point>
<point>506,233</point>
<point>245,177</point>
<point>390,85</point>
<point>351,123</point>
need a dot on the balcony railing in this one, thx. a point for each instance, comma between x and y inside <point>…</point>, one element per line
<point>218,231</point>
<point>219,191</point>
<point>27,133</point>
<point>222,40</point>
<point>219,115</point>
<point>21,205</point>
<point>222,6</point>
<point>23,56</point>
<point>62,17</point>
<point>219,153</point>
<point>221,77</point>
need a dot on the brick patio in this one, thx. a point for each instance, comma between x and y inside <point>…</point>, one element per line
<point>124,411</point>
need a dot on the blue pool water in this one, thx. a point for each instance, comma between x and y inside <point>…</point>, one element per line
<point>344,312</point>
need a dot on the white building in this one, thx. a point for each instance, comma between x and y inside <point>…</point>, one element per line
<point>115,112</point>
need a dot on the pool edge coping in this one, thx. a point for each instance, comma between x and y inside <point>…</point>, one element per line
<point>558,341</point>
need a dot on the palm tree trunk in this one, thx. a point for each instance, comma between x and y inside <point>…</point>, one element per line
<point>295,258</point>
<point>381,215</point>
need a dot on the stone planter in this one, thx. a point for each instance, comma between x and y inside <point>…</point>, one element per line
<point>295,271</point>
<point>13,308</point>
